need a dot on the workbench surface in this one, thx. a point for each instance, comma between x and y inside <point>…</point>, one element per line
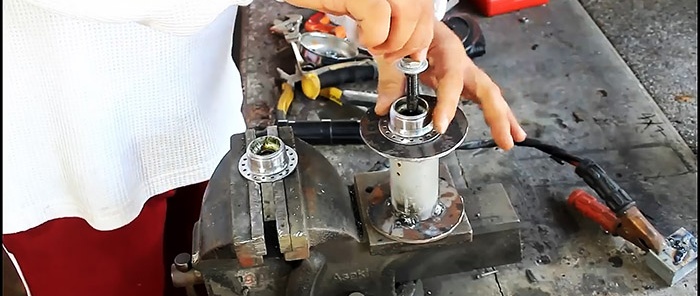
<point>567,86</point>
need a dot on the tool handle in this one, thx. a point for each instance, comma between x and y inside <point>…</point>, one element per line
<point>315,19</point>
<point>614,196</point>
<point>326,132</point>
<point>348,75</point>
<point>285,100</point>
<point>319,22</point>
<point>591,208</point>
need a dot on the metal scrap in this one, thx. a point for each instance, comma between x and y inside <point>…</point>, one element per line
<point>485,274</point>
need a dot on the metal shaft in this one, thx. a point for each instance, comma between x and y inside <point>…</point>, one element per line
<point>412,93</point>
<point>412,68</point>
<point>415,186</point>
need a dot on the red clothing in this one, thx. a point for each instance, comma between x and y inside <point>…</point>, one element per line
<point>68,257</point>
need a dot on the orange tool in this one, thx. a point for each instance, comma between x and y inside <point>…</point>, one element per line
<point>319,22</point>
<point>592,209</point>
<point>630,224</point>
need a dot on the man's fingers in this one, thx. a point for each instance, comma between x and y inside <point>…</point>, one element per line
<point>417,45</point>
<point>373,17</point>
<point>516,131</point>
<point>388,91</point>
<point>390,86</point>
<point>419,16</point>
<point>449,90</point>
<point>496,117</point>
<point>403,22</point>
<point>373,24</point>
<point>428,78</point>
<point>395,27</point>
<point>421,55</point>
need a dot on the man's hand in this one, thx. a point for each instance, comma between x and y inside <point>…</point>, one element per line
<point>453,75</point>
<point>391,29</point>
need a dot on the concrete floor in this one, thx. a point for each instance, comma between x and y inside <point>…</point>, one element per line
<point>658,40</point>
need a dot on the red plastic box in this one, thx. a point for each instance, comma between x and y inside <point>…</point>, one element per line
<point>495,7</point>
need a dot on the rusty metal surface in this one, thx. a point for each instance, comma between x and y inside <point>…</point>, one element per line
<point>326,198</point>
<point>284,235</point>
<point>378,244</point>
<point>221,211</point>
<point>268,193</point>
<point>296,206</point>
<point>568,87</point>
<point>226,204</point>
<point>255,245</point>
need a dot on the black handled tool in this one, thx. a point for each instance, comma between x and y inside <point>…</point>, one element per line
<point>348,75</point>
<point>326,131</point>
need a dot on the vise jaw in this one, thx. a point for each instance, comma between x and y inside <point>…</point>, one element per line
<point>283,223</point>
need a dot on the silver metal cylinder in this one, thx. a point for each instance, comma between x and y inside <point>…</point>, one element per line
<point>415,186</point>
<point>409,124</point>
<point>266,155</point>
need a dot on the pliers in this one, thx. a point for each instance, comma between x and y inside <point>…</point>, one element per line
<point>316,81</point>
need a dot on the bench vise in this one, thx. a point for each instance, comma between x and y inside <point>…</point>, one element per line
<point>277,218</point>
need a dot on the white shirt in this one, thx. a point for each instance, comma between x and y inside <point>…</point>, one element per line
<point>108,103</point>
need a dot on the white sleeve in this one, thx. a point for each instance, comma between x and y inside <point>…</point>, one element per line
<point>180,17</point>
<point>440,7</point>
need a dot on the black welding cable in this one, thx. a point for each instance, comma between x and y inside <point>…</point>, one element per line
<point>333,132</point>
<point>555,152</point>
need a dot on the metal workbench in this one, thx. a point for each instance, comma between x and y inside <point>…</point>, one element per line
<point>567,86</point>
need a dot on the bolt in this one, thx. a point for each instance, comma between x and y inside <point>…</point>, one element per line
<point>411,69</point>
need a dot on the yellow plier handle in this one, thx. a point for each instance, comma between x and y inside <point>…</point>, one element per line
<point>311,85</point>
<point>285,99</point>
<point>332,93</point>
